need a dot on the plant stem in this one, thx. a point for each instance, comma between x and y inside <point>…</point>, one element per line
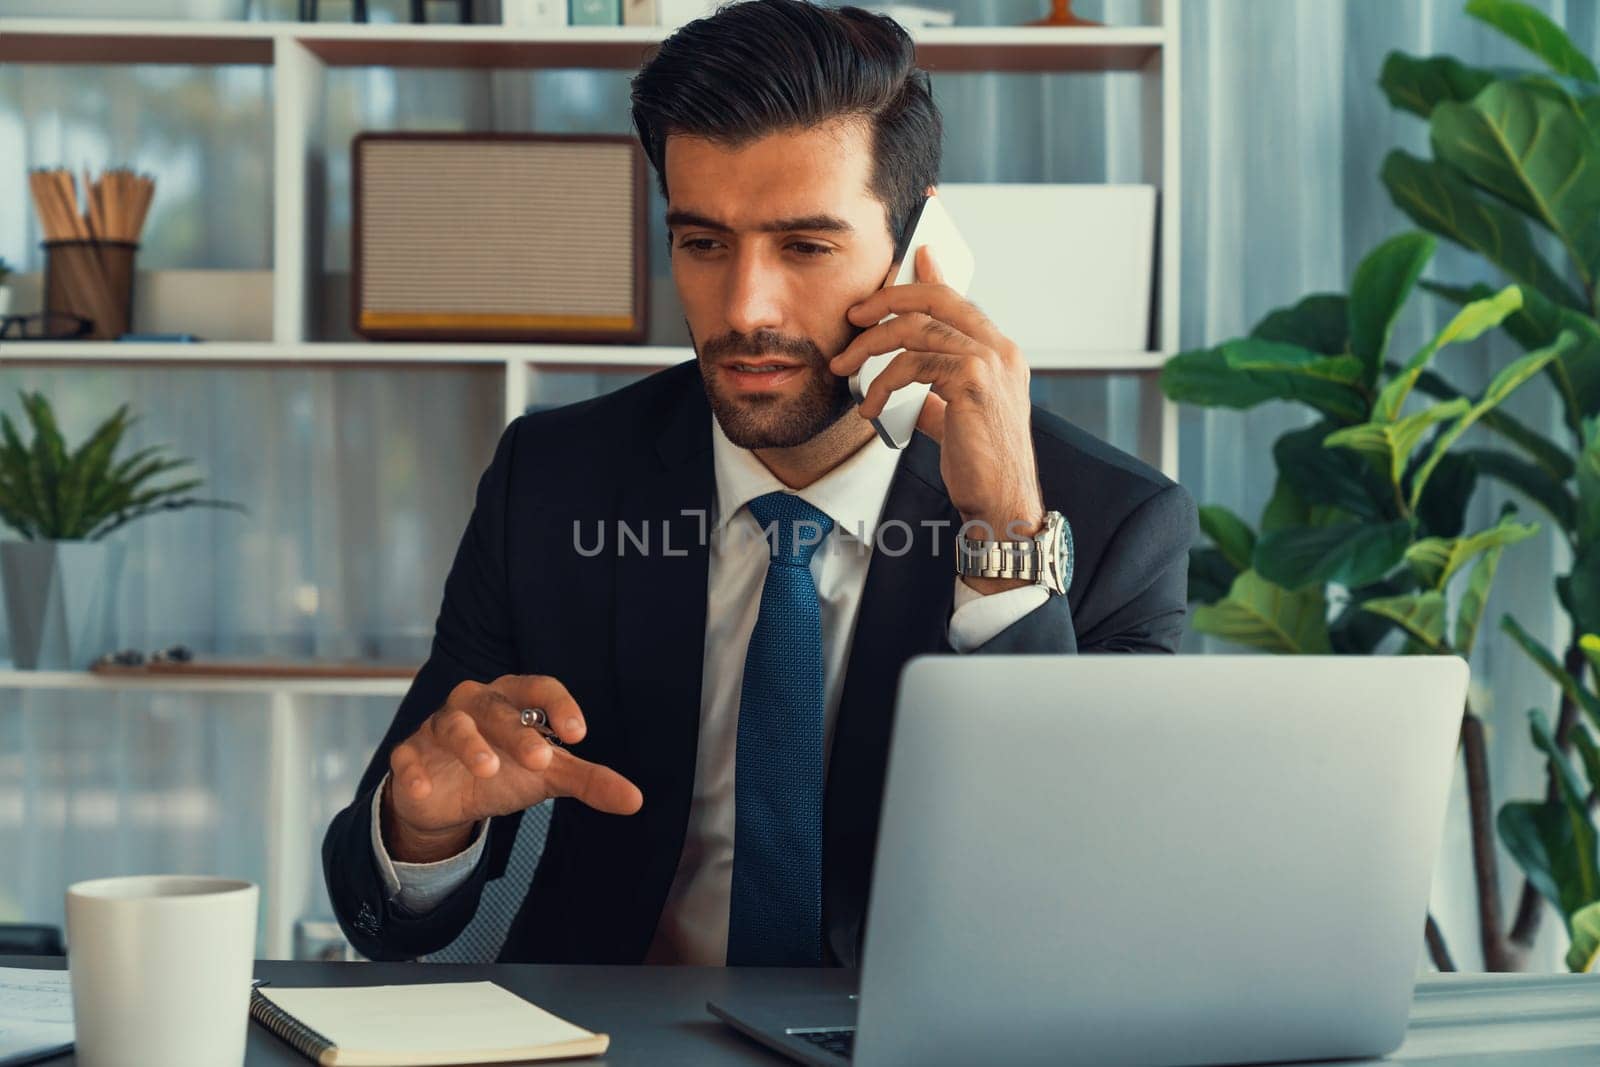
<point>1530,911</point>
<point>1436,946</point>
<point>1485,862</point>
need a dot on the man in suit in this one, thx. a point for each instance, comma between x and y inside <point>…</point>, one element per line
<point>710,580</point>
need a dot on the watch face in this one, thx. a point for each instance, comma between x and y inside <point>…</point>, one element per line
<point>1064,555</point>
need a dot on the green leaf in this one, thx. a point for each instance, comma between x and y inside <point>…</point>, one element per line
<point>1249,371</point>
<point>1391,442</point>
<point>1510,378</point>
<point>1358,632</point>
<point>85,468</point>
<point>1529,479</point>
<point>1334,477</point>
<point>49,455</point>
<point>1585,929</point>
<point>123,518</point>
<point>1261,615</point>
<point>1539,836</point>
<point>1442,509</point>
<point>1381,285</point>
<point>1210,575</point>
<point>1435,560</point>
<point>1579,591</point>
<point>1589,702</point>
<point>1318,323</point>
<point>1576,799</point>
<point>1285,507</point>
<point>1588,755</point>
<point>1420,614</point>
<point>1232,534</point>
<point>1352,553</point>
<point>1590,643</point>
<point>1586,520</point>
<point>1418,85</point>
<point>1468,325</point>
<point>1576,375</point>
<point>16,469</point>
<point>1531,28</point>
<point>1441,201</point>
<point>1535,154</point>
<point>1469,614</point>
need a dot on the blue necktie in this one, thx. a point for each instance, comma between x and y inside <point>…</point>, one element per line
<point>775,912</point>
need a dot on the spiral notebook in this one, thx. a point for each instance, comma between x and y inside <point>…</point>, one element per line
<point>418,1025</point>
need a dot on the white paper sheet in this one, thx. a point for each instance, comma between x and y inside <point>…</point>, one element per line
<point>35,1012</point>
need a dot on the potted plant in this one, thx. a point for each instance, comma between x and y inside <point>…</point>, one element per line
<point>5,290</point>
<point>60,579</point>
<point>1514,170</point>
<point>1363,547</point>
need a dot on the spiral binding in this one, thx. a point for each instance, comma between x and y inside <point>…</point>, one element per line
<point>300,1037</point>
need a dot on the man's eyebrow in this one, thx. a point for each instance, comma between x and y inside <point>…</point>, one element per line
<point>819,222</point>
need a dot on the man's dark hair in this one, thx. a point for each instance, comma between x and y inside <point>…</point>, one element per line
<point>759,67</point>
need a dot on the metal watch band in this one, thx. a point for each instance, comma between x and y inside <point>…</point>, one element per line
<point>1045,560</point>
<point>998,559</point>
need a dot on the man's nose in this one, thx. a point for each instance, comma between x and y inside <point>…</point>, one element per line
<point>754,294</point>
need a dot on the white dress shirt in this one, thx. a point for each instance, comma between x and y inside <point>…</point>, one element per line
<point>694,922</point>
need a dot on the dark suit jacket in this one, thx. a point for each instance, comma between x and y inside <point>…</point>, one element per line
<point>625,633</point>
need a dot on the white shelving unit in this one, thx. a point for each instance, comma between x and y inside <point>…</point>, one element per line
<point>300,54</point>
<point>290,857</point>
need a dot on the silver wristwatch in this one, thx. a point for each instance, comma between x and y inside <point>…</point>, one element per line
<point>1045,560</point>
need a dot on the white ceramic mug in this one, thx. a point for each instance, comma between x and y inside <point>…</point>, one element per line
<point>161,969</point>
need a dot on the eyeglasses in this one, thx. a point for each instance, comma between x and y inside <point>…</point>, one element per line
<point>44,326</point>
<point>132,657</point>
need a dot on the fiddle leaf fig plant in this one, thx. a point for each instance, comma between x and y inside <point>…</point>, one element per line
<point>1514,176</point>
<point>1364,530</point>
<point>49,492</point>
<point>1363,546</point>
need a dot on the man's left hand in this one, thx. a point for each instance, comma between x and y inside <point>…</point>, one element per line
<point>978,410</point>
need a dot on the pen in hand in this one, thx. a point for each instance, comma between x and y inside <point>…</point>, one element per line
<point>539,719</point>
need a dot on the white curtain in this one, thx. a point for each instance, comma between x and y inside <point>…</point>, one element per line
<point>358,481</point>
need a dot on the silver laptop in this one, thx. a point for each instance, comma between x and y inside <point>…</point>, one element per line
<point>1144,860</point>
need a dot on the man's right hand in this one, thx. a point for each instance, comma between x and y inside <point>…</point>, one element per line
<point>473,759</point>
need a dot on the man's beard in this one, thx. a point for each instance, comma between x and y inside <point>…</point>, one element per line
<point>772,420</point>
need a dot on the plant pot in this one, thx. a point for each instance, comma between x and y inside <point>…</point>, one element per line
<point>60,601</point>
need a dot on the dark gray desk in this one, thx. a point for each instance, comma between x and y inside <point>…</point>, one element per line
<point>656,1015</point>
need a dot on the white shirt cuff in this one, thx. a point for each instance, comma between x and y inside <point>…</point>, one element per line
<point>978,618</point>
<point>419,887</point>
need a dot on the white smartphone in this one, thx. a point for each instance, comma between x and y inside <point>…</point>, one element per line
<point>934,228</point>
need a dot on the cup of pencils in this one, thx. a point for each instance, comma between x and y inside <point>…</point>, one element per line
<point>89,251</point>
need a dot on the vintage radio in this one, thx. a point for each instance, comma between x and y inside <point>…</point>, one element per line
<point>498,237</point>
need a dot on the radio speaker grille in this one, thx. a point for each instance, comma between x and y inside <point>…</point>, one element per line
<point>499,237</point>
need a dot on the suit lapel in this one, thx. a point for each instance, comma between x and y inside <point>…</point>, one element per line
<point>905,610</point>
<point>660,640</point>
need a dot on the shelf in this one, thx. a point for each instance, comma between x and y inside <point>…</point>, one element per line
<point>965,48</point>
<point>360,354</point>
<point>334,354</point>
<point>45,40</point>
<point>86,680</point>
<point>1070,362</point>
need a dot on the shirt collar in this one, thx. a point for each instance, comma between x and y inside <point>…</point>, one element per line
<point>852,494</point>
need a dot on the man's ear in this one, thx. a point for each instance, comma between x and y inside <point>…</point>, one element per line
<point>930,191</point>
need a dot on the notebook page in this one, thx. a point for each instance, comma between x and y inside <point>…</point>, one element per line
<point>447,1017</point>
<point>35,1012</point>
